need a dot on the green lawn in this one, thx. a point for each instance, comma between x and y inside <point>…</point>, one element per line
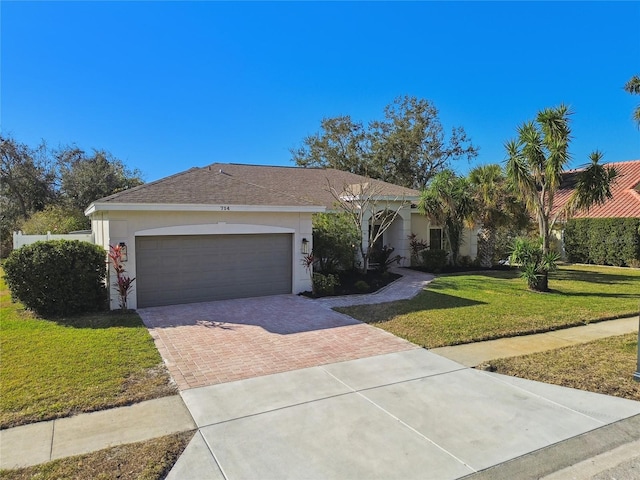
<point>469,307</point>
<point>58,368</point>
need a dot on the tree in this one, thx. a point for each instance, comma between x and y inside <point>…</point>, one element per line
<point>369,211</point>
<point>447,201</point>
<point>633,87</point>
<point>342,144</point>
<point>85,179</point>
<point>27,185</point>
<point>407,147</point>
<point>536,160</point>
<point>35,178</point>
<point>496,206</point>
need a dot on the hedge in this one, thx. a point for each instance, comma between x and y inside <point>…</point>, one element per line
<point>603,241</point>
<point>58,277</point>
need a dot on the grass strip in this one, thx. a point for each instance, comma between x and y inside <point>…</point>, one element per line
<point>602,366</point>
<point>150,460</point>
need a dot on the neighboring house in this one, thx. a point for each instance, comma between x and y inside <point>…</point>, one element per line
<point>231,231</point>
<point>625,202</point>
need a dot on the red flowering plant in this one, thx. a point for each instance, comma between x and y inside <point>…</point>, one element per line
<point>123,283</point>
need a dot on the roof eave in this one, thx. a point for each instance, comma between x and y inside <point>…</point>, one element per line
<point>191,207</point>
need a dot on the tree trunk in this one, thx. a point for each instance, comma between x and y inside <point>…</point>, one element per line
<point>486,247</point>
<point>542,283</point>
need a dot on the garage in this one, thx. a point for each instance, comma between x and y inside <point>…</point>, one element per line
<point>176,269</point>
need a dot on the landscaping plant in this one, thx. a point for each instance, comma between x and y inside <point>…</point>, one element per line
<point>533,262</point>
<point>123,283</point>
<point>58,277</point>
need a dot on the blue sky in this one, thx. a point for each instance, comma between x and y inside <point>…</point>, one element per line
<point>166,86</point>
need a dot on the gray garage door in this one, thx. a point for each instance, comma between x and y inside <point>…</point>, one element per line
<point>200,268</point>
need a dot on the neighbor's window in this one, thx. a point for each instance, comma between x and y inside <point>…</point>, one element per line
<point>435,238</point>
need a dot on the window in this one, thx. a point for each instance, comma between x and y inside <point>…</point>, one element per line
<point>435,238</point>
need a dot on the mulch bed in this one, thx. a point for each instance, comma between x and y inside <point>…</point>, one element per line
<point>348,280</point>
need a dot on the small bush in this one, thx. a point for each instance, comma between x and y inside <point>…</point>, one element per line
<point>416,246</point>
<point>434,260</point>
<point>325,284</point>
<point>534,264</point>
<point>58,277</point>
<point>383,260</point>
<point>361,286</point>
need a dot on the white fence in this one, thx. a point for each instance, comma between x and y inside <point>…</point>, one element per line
<point>20,239</point>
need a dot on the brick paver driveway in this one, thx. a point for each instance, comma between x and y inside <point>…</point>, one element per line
<point>216,342</point>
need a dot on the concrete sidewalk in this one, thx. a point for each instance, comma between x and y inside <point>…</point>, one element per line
<point>65,437</point>
<point>474,354</point>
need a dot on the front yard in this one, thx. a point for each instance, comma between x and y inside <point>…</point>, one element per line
<point>464,308</point>
<point>602,366</point>
<point>54,368</point>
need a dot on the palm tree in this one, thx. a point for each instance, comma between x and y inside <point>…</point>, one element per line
<point>536,160</point>
<point>633,87</point>
<point>496,206</point>
<point>448,202</point>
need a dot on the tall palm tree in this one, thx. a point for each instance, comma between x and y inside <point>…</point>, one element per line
<point>496,206</point>
<point>633,87</point>
<point>536,160</point>
<point>447,201</point>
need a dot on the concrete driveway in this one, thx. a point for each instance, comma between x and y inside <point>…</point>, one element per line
<point>282,387</point>
<point>404,415</point>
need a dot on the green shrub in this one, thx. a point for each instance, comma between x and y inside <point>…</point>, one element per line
<point>55,219</point>
<point>325,284</point>
<point>603,241</point>
<point>434,260</point>
<point>361,286</point>
<point>58,277</point>
<point>534,264</point>
<point>382,258</point>
<point>334,240</point>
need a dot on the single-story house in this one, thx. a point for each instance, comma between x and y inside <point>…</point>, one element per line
<point>625,201</point>
<point>231,231</point>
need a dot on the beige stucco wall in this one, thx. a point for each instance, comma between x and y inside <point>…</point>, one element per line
<point>420,225</point>
<point>113,227</point>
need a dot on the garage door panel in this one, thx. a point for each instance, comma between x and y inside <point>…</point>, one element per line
<point>185,269</point>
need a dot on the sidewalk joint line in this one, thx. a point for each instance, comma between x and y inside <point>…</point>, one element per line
<point>548,400</point>
<point>406,425</point>
<point>53,430</point>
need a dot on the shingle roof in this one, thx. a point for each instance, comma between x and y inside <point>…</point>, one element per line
<point>236,184</point>
<point>626,193</point>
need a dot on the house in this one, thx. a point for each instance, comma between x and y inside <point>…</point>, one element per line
<point>625,201</point>
<point>231,231</point>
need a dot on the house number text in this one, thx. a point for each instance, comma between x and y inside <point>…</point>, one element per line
<point>224,208</point>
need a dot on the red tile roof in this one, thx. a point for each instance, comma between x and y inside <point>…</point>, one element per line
<point>626,193</point>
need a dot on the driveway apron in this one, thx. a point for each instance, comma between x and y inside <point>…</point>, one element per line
<point>216,342</point>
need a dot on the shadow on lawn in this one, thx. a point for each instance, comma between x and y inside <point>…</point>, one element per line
<point>97,320</point>
<point>593,277</point>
